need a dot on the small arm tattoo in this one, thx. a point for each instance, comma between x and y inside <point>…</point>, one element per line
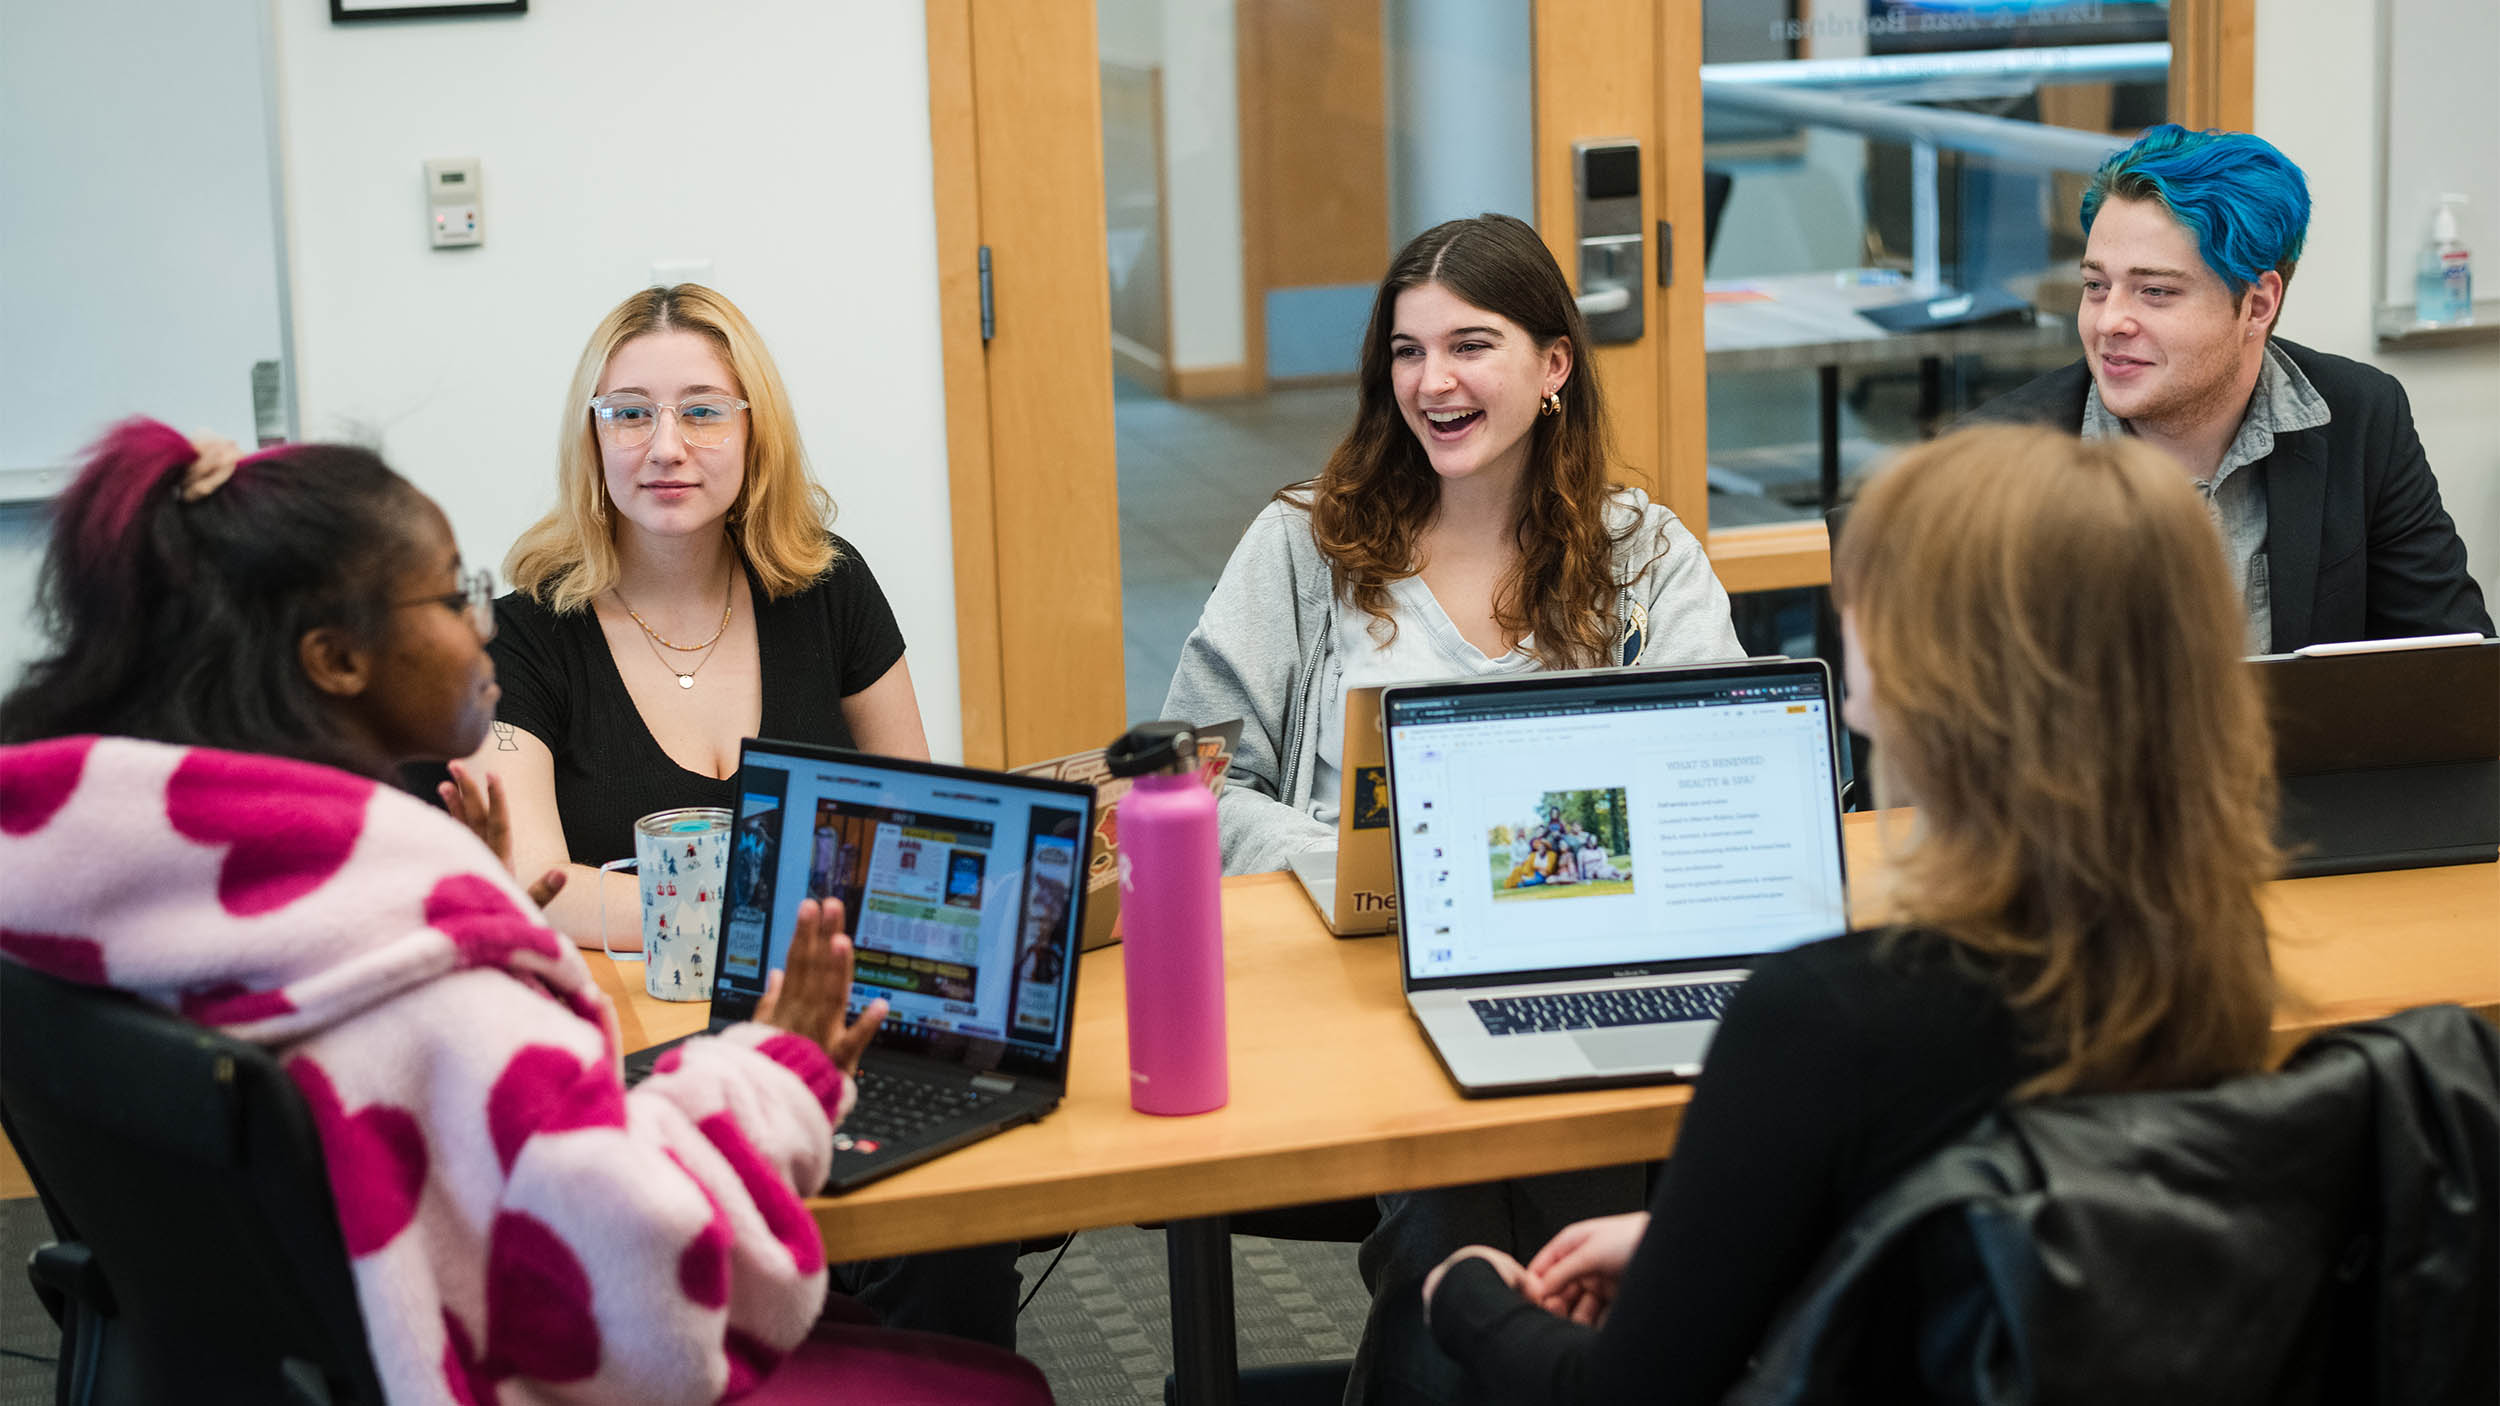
<point>503,738</point>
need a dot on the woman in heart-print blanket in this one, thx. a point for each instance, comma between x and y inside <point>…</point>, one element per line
<point>193,793</point>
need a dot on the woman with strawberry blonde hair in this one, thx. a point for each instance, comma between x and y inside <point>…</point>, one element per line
<point>2043,639</point>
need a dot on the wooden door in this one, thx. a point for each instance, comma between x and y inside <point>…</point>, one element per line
<point>1017,148</point>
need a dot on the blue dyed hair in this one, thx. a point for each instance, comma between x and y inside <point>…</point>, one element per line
<point>2245,202</point>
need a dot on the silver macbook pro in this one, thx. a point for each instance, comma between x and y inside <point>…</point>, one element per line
<point>1588,863</point>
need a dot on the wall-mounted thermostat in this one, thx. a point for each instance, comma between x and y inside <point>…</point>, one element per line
<point>454,206</point>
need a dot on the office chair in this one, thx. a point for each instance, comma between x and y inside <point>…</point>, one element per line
<point>2329,1233</point>
<point>1716,186</point>
<point>199,1255</point>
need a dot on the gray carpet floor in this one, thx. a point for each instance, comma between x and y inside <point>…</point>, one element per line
<point>1100,1328</point>
<point>24,1327</point>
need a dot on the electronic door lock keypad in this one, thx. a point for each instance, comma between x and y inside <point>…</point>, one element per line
<point>1606,191</point>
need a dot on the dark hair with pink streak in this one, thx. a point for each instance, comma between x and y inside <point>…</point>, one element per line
<point>180,621</point>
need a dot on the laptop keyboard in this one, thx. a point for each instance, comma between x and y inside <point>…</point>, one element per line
<point>1595,1010</point>
<point>893,1106</point>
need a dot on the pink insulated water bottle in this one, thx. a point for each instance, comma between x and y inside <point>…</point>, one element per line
<point>1171,923</point>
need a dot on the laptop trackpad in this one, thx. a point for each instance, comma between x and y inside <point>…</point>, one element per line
<point>1647,1046</point>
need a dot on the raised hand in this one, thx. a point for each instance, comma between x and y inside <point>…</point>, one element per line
<point>482,809</point>
<point>811,994</point>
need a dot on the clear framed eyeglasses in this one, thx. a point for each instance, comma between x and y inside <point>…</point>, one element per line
<point>629,421</point>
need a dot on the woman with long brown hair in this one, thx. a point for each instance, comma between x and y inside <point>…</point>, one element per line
<point>2043,638</point>
<point>1471,522</point>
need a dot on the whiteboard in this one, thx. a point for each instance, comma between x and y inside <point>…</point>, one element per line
<point>139,235</point>
<point>2439,131</point>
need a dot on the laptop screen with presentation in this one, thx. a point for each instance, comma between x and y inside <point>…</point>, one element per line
<point>1596,830</point>
<point>1709,792</point>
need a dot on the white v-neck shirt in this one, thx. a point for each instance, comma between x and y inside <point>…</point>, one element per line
<point>1427,647</point>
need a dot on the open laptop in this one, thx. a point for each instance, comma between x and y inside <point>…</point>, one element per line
<point>1351,883</point>
<point>1700,815</point>
<point>2387,753</point>
<point>965,892</point>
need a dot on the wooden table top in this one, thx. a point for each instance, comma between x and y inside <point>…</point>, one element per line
<point>1335,1094</point>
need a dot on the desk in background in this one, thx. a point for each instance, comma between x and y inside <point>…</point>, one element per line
<point>1799,320</point>
<point>1334,1093</point>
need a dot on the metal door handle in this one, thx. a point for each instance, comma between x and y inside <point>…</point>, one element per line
<point>1602,301</point>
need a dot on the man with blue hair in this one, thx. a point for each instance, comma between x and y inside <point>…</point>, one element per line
<point>2318,485</point>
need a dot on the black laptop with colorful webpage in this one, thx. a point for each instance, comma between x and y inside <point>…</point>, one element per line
<point>965,897</point>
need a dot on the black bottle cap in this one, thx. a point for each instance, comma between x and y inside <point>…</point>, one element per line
<point>1151,748</point>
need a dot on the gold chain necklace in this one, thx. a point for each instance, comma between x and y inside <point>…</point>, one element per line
<point>685,677</point>
<point>729,598</point>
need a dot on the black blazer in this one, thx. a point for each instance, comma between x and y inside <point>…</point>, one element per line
<point>2357,544</point>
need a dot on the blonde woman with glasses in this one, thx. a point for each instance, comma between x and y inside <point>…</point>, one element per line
<point>685,593</point>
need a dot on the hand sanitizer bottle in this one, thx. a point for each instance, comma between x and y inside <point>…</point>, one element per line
<point>2443,282</point>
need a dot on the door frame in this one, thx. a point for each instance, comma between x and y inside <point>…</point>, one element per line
<point>1016,161</point>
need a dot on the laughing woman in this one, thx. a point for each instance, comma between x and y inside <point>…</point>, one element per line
<point>1472,522</point>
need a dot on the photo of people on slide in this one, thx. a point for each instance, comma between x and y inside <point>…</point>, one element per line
<point>1571,844</point>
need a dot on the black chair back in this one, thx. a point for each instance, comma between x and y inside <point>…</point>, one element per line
<point>201,1258</point>
<point>2329,1233</point>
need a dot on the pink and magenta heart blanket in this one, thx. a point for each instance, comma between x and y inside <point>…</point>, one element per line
<point>521,1228</point>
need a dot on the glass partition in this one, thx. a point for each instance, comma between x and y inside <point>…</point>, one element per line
<point>1893,232</point>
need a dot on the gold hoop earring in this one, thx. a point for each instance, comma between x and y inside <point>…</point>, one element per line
<point>1553,403</point>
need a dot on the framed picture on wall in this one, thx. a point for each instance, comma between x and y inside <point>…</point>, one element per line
<point>347,11</point>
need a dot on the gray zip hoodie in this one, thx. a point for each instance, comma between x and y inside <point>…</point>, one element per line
<point>1265,652</point>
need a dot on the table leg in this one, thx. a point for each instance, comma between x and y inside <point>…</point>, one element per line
<point>1205,1371</point>
<point>1930,395</point>
<point>1828,378</point>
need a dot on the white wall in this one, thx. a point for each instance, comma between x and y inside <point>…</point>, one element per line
<point>786,142</point>
<point>138,263</point>
<point>2317,99</point>
<point>22,529</point>
<point>137,223</point>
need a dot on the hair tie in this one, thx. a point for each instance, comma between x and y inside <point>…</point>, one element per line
<point>215,464</point>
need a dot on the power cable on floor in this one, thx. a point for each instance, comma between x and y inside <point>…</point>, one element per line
<point>1046,1269</point>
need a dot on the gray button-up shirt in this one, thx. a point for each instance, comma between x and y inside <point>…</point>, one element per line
<point>2282,402</point>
